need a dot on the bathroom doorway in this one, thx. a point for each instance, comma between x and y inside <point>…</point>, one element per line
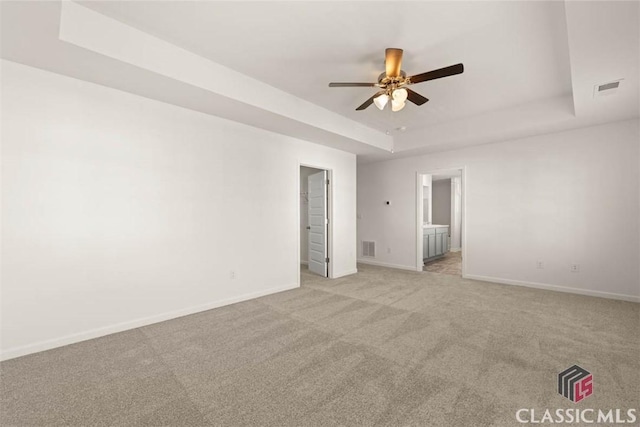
<point>440,221</point>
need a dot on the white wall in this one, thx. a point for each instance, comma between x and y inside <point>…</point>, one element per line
<point>119,211</point>
<point>426,204</point>
<point>441,196</point>
<point>427,190</point>
<point>456,214</point>
<point>305,172</point>
<point>563,198</point>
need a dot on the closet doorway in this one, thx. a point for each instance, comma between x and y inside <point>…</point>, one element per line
<point>315,189</point>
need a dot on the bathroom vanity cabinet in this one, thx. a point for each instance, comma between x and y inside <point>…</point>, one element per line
<point>435,241</point>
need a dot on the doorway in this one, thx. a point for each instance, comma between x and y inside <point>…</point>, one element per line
<point>440,222</point>
<point>315,224</point>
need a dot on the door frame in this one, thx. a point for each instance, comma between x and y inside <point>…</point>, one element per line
<point>330,216</point>
<point>420,213</point>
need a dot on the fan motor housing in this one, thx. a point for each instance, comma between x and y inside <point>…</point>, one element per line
<point>384,80</point>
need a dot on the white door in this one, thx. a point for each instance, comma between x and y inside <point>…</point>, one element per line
<point>318,223</point>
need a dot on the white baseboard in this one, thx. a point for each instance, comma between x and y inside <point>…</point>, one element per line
<point>304,262</point>
<point>556,288</point>
<point>384,264</point>
<point>124,326</point>
<point>455,249</point>
<point>345,273</point>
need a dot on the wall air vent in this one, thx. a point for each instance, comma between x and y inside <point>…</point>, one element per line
<point>606,88</point>
<point>369,249</point>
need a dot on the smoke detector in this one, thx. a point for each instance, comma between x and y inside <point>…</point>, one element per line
<point>606,89</point>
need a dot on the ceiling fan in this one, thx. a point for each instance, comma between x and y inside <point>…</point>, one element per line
<point>394,80</point>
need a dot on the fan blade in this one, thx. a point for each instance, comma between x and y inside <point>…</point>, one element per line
<point>369,101</point>
<point>437,74</point>
<point>393,62</point>
<point>415,97</point>
<point>352,84</point>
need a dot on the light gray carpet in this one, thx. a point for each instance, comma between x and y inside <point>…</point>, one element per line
<point>383,347</point>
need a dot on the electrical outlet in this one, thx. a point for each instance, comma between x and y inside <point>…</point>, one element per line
<point>232,275</point>
<point>539,265</point>
<point>575,268</point>
<point>388,250</point>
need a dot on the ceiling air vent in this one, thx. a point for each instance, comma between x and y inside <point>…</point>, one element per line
<point>369,249</point>
<point>606,88</point>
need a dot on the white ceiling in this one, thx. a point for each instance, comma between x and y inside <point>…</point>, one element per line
<point>530,67</point>
<point>69,39</point>
<point>513,52</point>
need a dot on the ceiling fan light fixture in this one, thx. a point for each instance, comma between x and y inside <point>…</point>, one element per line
<point>381,101</point>
<point>397,105</point>
<point>391,83</point>
<point>400,95</point>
